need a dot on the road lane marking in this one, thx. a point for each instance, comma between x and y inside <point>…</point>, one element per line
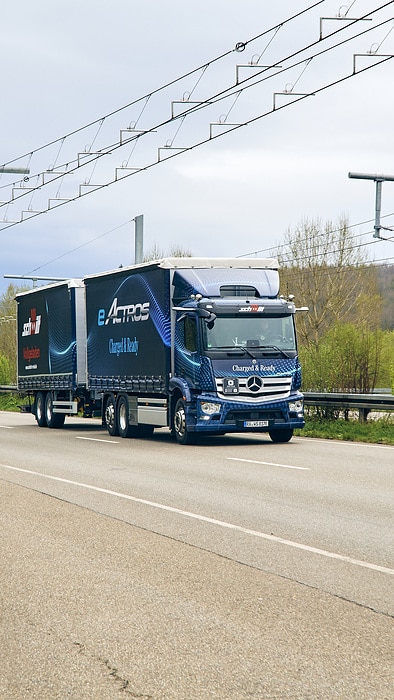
<point>7,427</point>
<point>270,464</point>
<point>211,521</point>
<point>111,442</point>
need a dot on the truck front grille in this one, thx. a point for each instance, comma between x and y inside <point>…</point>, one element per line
<point>254,389</point>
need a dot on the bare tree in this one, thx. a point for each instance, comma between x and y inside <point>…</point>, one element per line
<point>325,267</point>
<point>176,251</point>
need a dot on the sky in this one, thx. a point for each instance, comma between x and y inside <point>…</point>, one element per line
<point>201,182</point>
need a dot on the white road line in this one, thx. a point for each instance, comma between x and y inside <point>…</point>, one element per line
<point>212,521</point>
<point>111,442</point>
<point>7,427</point>
<point>270,464</point>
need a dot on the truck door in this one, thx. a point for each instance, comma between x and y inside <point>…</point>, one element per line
<point>187,359</point>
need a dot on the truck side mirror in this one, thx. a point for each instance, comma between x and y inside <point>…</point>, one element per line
<point>208,316</point>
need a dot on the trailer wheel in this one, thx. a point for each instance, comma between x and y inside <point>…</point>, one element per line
<point>182,434</point>
<point>53,420</point>
<point>40,409</point>
<point>281,435</point>
<point>124,428</point>
<point>110,419</point>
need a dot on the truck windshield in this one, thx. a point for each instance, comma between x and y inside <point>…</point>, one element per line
<point>250,332</point>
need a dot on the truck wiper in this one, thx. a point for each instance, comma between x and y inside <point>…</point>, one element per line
<point>275,347</point>
<point>238,347</point>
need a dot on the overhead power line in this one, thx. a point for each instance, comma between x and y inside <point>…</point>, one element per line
<point>276,248</point>
<point>315,257</point>
<point>57,175</point>
<point>229,91</point>
<point>272,250</point>
<point>238,48</point>
<point>79,247</point>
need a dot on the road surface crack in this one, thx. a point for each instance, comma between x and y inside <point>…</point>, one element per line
<point>124,683</point>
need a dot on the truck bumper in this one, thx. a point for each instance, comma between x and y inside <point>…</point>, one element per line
<point>236,417</point>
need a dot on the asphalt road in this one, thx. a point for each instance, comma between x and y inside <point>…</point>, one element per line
<point>232,569</point>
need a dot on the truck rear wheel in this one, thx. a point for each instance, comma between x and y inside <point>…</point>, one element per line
<point>183,436</point>
<point>124,428</point>
<point>40,409</point>
<point>53,420</point>
<point>281,435</point>
<point>110,417</point>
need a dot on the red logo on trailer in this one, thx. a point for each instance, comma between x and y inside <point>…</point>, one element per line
<point>32,327</point>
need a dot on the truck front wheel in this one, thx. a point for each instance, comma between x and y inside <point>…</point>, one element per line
<point>182,434</point>
<point>40,409</point>
<point>281,435</point>
<point>110,419</point>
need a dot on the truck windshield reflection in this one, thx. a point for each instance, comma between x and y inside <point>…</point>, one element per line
<point>250,332</point>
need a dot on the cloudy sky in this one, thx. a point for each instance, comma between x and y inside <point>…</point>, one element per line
<point>172,149</point>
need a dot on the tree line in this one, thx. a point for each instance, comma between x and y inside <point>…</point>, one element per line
<point>344,342</point>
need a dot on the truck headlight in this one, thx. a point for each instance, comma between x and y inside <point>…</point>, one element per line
<point>209,408</point>
<point>296,406</point>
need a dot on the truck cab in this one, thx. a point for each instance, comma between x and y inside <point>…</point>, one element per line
<point>234,354</point>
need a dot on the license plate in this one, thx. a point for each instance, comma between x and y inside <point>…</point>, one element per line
<point>255,424</point>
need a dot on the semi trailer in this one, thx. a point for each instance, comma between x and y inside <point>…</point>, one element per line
<point>200,346</point>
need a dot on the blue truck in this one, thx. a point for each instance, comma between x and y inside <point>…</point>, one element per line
<point>202,346</point>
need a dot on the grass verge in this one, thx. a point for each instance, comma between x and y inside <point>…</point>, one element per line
<point>377,431</point>
<point>12,402</point>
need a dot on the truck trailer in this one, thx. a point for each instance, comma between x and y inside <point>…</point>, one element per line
<point>201,346</point>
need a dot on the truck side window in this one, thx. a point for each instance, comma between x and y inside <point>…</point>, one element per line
<point>190,331</point>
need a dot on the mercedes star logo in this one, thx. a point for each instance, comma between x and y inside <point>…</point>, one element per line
<point>254,383</point>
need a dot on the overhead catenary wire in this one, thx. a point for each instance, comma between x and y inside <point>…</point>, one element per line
<point>227,92</point>
<point>249,83</point>
<point>277,248</point>
<point>318,258</point>
<point>218,58</point>
<point>313,258</point>
<point>272,250</point>
<point>179,151</point>
<point>79,247</point>
<point>384,38</point>
<point>224,94</point>
<point>204,66</point>
<point>331,270</point>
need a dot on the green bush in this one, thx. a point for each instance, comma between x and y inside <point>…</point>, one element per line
<point>12,402</point>
<point>5,371</point>
<point>348,358</point>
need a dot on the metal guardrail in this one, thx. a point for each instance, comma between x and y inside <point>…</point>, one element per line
<point>364,403</point>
